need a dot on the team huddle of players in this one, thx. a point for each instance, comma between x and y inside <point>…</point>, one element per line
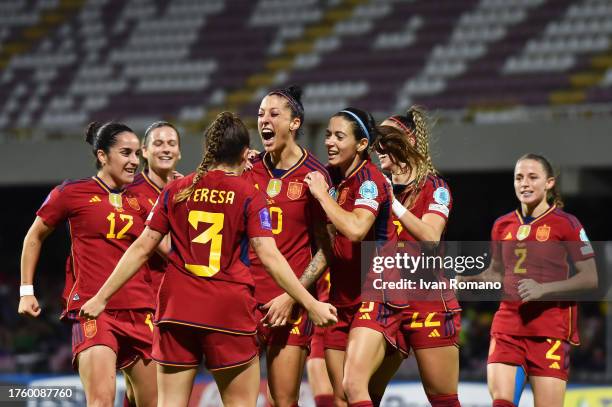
<point>214,266</point>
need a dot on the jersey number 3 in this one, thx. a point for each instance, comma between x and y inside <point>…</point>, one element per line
<point>213,235</point>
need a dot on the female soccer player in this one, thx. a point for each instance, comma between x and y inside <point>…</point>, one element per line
<point>206,304</point>
<point>160,154</point>
<point>529,337</point>
<point>297,222</point>
<point>430,325</point>
<point>361,211</point>
<point>104,218</point>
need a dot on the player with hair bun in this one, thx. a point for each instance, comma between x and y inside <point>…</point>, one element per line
<point>211,216</point>
<point>430,325</point>
<point>359,207</point>
<point>104,219</point>
<point>531,338</point>
<point>298,225</point>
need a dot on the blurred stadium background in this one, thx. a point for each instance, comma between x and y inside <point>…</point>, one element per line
<point>500,78</point>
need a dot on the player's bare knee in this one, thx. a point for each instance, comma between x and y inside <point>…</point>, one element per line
<point>354,385</point>
<point>100,399</point>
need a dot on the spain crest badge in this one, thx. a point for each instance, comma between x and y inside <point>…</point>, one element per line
<point>543,233</point>
<point>89,328</point>
<point>342,196</point>
<point>133,202</point>
<point>294,191</point>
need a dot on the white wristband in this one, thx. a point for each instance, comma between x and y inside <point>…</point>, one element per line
<point>26,290</point>
<point>398,209</point>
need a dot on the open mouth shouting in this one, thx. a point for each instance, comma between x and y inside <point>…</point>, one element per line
<point>268,137</point>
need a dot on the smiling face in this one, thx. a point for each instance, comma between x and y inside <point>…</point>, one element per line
<point>274,122</point>
<point>121,162</point>
<point>385,162</point>
<point>531,183</point>
<point>162,150</point>
<point>342,147</point>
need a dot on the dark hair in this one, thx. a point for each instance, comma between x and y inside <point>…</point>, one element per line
<point>553,196</point>
<point>363,126</point>
<point>157,125</point>
<point>149,130</point>
<point>104,136</point>
<point>226,139</point>
<point>293,94</point>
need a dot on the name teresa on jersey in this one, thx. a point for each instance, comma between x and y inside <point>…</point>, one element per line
<point>213,196</point>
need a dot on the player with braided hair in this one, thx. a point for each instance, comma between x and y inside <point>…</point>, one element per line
<point>211,216</point>
<point>430,325</point>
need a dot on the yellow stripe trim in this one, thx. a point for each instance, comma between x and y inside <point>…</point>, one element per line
<point>522,220</point>
<point>234,366</point>
<point>155,187</point>
<point>290,170</point>
<point>169,321</point>
<point>356,170</point>
<point>175,364</point>
<point>102,185</point>
<point>72,263</point>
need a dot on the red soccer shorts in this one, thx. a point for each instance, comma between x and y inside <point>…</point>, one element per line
<point>317,348</point>
<point>297,332</point>
<point>374,315</point>
<point>129,333</point>
<point>186,346</point>
<point>537,355</point>
<point>423,330</point>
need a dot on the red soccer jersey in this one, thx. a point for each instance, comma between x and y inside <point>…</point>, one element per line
<point>365,188</point>
<point>144,186</point>
<point>433,197</point>
<point>323,286</point>
<point>103,224</point>
<point>294,212</point>
<point>526,254</point>
<point>210,237</point>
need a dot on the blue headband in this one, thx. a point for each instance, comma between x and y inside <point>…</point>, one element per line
<point>363,127</point>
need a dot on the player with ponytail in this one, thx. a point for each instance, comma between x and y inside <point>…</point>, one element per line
<point>211,215</point>
<point>430,325</point>
<point>104,218</point>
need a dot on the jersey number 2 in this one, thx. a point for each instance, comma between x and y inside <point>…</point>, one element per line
<point>213,235</point>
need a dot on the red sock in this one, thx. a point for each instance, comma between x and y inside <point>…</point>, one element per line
<point>502,403</point>
<point>444,400</point>
<point>324,400</point>
<point>365,403</point>
<point>126,401</point>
